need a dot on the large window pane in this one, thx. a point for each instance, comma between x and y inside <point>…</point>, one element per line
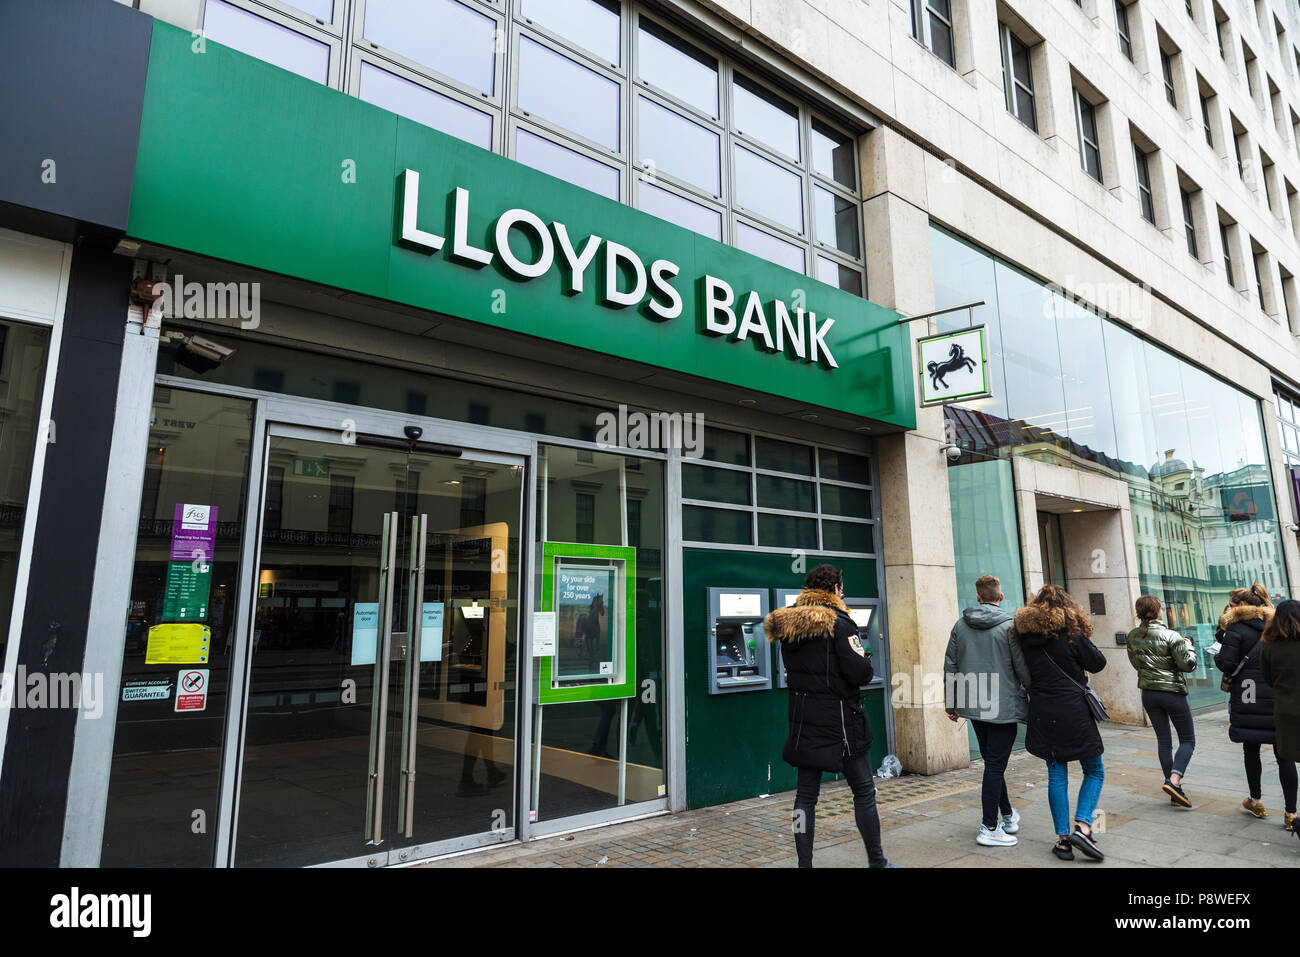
<point>679,210</point>
<point>842,500</point>
<point>548,85</point>
<point>837,220</point>
<point>770,190</point>
<point>23,351</point>
<point>778,456</point>
<point>730,448</point>
<point>425,106</point>
<point>567,164</point>
<point>775,250</point>
<point>716,525</point>
<point>447,36</point>
<point>591,24</point>
<point>1087,387</point>
<point>784,531</point>
<point>984,529</point>
<point>964,274</point>
<point>677,146</point>
<point>1135,436</point>
<point>666,62</point>
<point>847,537</point>
<point>266,40</point>
<point>840,275</point>
<point>172,757</point>
<point>844,466</point>
<point>764,116</point>
<point>715,485</point>
<point>787,494</point>
<point>832,154</point>
<point>1035,395</point>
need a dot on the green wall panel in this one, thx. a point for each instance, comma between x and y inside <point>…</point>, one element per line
<point>733,741</point>
<point>245,162</point>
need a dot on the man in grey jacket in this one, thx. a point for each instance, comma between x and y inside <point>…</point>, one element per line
<point>982,683</point>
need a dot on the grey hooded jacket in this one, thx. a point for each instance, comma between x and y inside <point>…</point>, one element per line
<point>983,668</point>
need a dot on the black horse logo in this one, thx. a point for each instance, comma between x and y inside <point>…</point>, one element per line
<point>957,359</point>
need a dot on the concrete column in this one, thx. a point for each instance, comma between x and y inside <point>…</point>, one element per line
<point>920,584</point>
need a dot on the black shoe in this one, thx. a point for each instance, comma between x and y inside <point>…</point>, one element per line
<point>1063,850</point>
<point>1177,795</point>
<point>1085,843</point>
<point>496,777</point>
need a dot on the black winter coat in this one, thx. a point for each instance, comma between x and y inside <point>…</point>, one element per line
<point>824,675</point>
<point>1060,725</point>
<point>1250,703</point>
<point>1281,660</point>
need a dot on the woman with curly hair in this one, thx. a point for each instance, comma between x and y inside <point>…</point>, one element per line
<point>1250,697</point>
<point>1053,633</point>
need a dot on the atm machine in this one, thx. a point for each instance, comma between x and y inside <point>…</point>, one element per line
<point>863,611</point>
<point>738,656</point>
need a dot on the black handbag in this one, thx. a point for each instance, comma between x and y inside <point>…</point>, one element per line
<point>1095,706</point>
<point>1225,683</point>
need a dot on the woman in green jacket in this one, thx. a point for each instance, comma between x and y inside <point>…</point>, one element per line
<point>1161,656</point>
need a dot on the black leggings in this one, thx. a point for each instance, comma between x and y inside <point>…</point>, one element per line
<point>996,742</point>
<point>1165,708</point>
<point>858,774</point>
<point>1254,771</point>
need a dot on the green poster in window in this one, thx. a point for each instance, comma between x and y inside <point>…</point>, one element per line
<point>185,596</point>
<point>591,590</point>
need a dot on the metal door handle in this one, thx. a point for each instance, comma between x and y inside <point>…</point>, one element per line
<point>379,698</point>
<point>411,693</point>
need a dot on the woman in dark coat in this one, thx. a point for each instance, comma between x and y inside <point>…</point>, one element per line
<point>1281,666</point>
<point>825,667</point>
<point>1053,633</point>
<point>1250,700</point>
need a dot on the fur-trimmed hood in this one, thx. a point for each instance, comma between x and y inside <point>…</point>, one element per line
<point>1041,620</point>
<point>812,615</point>
<point>1236,613</point>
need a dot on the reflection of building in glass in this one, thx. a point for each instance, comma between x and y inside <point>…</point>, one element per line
<point>1075,390</point>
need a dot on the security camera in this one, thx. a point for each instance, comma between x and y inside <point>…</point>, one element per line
<point>952,451</point>
<point>208,349</point>
<point>1293,528</point>
<point>413,432</point>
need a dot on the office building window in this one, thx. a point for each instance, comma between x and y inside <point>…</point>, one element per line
<point>1227,255</point>
<point>1189,224</point>
<point>932,25</point>
<point>1018,79</point>
<point>1167,68</point>
<point>1259,282</point>
<point>655,126</point>
<point>1121,24</point>
<point>1144,184</point>
<point>1205,119</point>
<point>1089,144</point>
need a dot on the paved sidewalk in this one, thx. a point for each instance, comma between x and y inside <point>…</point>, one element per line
<point>932,821</point>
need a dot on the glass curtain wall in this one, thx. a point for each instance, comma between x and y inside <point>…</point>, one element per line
<point>1075,389</point>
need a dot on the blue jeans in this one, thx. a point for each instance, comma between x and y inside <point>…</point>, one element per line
<point>1058,797</point>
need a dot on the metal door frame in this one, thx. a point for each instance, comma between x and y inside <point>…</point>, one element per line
<point>292,417</point>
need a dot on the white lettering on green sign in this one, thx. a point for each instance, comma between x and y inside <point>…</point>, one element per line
<point>626,282</point>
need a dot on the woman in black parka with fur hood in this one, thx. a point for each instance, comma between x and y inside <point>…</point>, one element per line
<point>825,667</point>
<point>1250,702</point>
<point>1053,633</point>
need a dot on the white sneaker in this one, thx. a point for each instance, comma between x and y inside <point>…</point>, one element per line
<point>996,837</point>
<point>1011,822</point>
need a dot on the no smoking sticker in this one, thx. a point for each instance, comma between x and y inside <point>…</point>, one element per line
<point>192,689</point>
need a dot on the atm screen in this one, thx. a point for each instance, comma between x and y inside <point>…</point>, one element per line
<point>861,616</point>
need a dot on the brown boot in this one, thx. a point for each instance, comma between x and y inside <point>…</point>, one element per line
<point>1288,820</point>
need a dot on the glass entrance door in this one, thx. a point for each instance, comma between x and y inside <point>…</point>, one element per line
<point>381,707</point>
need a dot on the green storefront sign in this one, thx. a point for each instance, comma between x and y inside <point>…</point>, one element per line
<point>245,162</point>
